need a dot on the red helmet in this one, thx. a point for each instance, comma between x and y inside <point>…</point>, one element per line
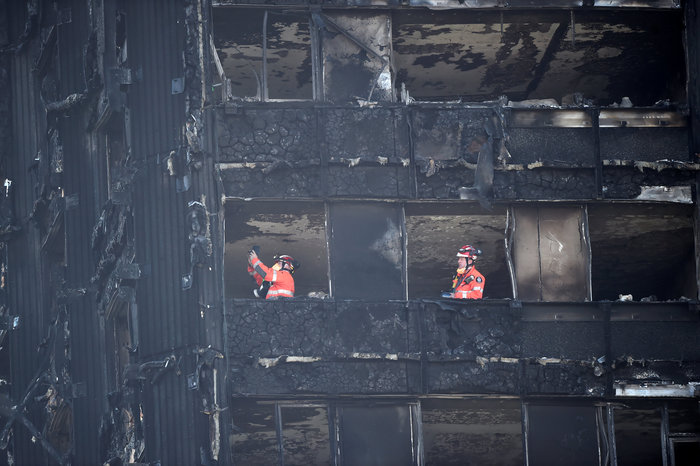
<point>468,251</point>
<point>287,260</point>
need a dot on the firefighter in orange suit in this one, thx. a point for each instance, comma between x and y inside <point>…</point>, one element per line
<point>467,283</point>
<point>279,275</point>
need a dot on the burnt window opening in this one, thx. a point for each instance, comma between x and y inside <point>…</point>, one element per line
<point>601,55</point>
<point>477,431</point>
<point>650,433</point>
<point>642,250</point>
<point>566,433</point>
<point>550,255</point>
<point>434,234</point>
<point>367,259</point>
<point>294,228</point>
<point>264,54</point>
<point>317,432</point>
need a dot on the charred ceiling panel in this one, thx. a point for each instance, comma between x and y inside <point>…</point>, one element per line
<point>367,259</point>
<point>356,55</point>
<point>435,232</point>
<point>266,54</point>
<point>480,55</point>
<point>296,229</point>
<point>458,432</point>
<point>550,253</point>
<point>642,250</point>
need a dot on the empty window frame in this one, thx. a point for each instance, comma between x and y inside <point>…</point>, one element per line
<point>562,434</point>
<point>551,259</point>
<point>481,55</point>
<point>265,54</point>
<point>434,234</point>
<point>643,250</point>
<point>321,433</point>
<point>294,228</point>
<point>475,431</point>
<point>367,259</point>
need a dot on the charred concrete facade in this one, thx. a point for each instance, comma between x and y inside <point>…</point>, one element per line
<point>147,146</point>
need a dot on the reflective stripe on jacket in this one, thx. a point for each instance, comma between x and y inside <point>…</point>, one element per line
<point>468,285</point>
<point>282,281</point>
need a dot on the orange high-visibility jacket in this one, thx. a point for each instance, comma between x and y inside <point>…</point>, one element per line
<point>282,281</point>
<point>468,285</point>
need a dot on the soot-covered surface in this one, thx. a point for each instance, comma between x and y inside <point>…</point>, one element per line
<point>470,54</point>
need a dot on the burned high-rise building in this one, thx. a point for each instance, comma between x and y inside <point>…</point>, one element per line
<point>147,146</point>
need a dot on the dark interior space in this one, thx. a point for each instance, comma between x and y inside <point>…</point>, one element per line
<point>434,234</point>
<point>476,431</point>
<point>238,38</point>
<point>294,228</point>
<point>477,55</point>
<point>379,435</point>
<point>643,250</point>
<point>367,250</point>
<point>559,435</point>
<point>638,436</point>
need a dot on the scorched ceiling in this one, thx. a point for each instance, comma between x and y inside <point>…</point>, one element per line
<point>476,54</point>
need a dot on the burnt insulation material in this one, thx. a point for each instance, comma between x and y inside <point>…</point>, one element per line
<point>567,146</point>
<point>626,182</point>
<point>282,182</point>
<point>371,181</point>
<point>648,144</point>
<point>369,134</point>
<point>545,183</point>
<point>268,135</point>
<point>320,377</point>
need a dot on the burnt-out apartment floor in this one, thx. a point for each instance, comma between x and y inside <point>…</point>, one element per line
<point>146,147</point>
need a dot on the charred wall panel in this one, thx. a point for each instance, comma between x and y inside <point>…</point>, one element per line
<point>626,182</point>
<point>375,182</point>
<point>566,146</point>
<point>77,62</point>
<point>283,135</point>
<point>647,144</point>
<point>558,432</point>
<point>155,99</point>
<point>448,134</point>
<point>320,347</point>
<point>367,134</point>
<point>294,228</point>
<point>168,315</point>
<point>550,254</point>
<point>545,183</point>
<point>24,265</point>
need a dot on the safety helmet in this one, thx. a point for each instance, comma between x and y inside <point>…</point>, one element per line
<point>287,260</point>
<point>469,251</point>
